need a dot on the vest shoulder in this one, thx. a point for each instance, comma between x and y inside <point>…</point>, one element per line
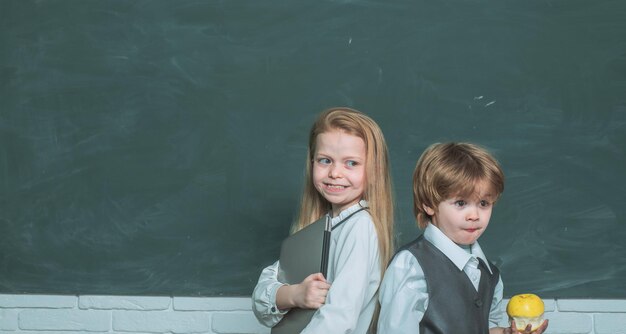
<point>412,243</point>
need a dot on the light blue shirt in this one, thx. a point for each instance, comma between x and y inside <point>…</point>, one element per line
<point>353,271</point>
<point>403,293</point>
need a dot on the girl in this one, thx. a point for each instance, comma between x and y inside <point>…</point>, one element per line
<point>347,169</point>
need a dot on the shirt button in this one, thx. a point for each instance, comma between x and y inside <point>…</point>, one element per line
<point>273,309</point>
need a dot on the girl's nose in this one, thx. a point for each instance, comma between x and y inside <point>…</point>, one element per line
<point>334,171</point>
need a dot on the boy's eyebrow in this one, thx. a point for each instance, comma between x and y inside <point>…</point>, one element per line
<point>471,194</point>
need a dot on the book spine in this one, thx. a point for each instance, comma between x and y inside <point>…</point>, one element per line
<point>325,248</point>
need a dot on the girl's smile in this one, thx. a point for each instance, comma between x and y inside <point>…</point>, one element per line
<point>334,187</point>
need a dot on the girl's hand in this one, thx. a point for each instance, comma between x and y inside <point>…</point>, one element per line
<point>311,293</point>
<point>513,329</point>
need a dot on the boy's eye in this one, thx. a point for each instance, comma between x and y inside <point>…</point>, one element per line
<point>351,163</point>
<point>460,203</point>
<point>324,161</point>
<point>484,203</point>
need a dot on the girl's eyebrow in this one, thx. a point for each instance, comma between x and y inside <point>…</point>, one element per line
<point>350,157</point>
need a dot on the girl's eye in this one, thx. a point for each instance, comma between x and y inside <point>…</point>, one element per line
<point>323,161</point>
<point>484,203</point>
<point>351,163</point>
<point>460,203</point>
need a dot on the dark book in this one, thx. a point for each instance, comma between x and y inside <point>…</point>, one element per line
<point>302,254</point>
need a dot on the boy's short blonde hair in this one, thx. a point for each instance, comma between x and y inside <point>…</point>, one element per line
<point>452,169</point>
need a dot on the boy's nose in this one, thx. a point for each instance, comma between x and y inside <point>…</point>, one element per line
<point>472,214</point>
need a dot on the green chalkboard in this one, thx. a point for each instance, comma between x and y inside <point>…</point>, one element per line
<point>157,147</point>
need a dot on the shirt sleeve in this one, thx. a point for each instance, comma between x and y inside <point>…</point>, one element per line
<point>497,316</point>
<point>403,296</point>
<point>264,297</point>
<point>357,268</point>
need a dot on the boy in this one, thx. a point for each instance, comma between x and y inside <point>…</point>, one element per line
<point>442,281</point>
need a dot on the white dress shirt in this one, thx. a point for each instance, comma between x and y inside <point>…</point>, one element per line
<point>353,271</point>
<point>403,292</point>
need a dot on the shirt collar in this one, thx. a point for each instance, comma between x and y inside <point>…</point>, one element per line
<point>350,210</point>
<point>459,256</point>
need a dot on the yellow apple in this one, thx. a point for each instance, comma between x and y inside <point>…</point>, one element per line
<point>525,309</point>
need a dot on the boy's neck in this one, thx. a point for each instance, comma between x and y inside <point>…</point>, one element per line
<point>467,248</point>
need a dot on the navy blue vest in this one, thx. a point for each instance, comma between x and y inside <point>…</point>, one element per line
<point>454,305</point>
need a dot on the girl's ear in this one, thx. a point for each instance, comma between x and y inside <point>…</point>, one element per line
<point>429,210</point>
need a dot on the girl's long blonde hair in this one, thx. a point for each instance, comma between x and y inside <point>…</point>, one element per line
<point>378,191</point>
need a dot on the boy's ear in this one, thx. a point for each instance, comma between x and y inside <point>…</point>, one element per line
<point>429,210</point>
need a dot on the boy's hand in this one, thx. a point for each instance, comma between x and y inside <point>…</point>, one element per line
<point>311,293</point>
<point>513,329</point>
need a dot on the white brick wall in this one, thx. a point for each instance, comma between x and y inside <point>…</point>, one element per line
<point>45,314</point>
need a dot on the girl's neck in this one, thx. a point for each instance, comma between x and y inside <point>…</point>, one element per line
<point>336,212</point>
